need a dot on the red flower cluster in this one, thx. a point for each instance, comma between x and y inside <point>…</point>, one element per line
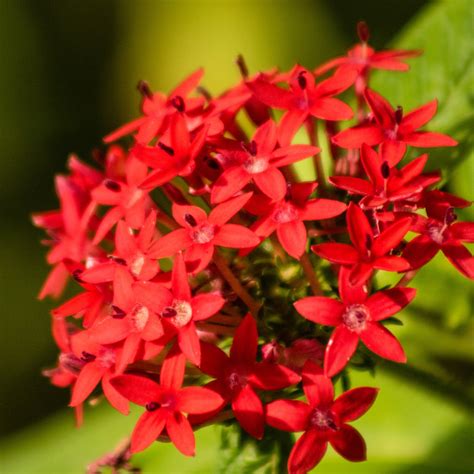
<point>149,242</point>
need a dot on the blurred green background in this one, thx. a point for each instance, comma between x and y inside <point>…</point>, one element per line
<point>68,75</point>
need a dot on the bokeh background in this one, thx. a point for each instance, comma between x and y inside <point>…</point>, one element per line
<point>68,70</point>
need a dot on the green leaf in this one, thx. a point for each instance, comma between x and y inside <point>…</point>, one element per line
<point>241,454</point>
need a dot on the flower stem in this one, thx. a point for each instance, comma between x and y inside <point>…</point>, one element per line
<point>234,283</point>
<point>312,129</point>
<point>310,274</point>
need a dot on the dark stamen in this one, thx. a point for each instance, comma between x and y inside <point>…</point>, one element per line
<point>112,185</point>
<point>178,103</point>
<point>144,89</point>
<point>117,260</point>
<point>168,312</point>
<point>385,170</point>
<point>87,356</point>
<point>204,92</point>
<point>252,148</point>
<point>212,163</point>
<point>240,61</point>
<point>190,220</point>
<point>76,274</point>
<point>450,216</point>
<point>166,148</point>
<point>368,242</point>
<point>363,31</point>
<point>152,406</point>
<point>302,80</point>
<point>399,114</point>
<point>118,313</point>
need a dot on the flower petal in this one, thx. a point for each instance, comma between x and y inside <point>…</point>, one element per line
<point>292,236</point>
<point>235,236</point>
<point>271,182</point>
<point>197,400</point>
<point>171,244</point>
<point>386,303</point>
<point>339,350</point>
<point>244,346</point>
<point>267,376</point>
<point>213,360</point>
<point>359,228</point>
<point>391,236</point>
<point>461,258</point>
<point>337,253</point>
<point>352,404</point>
<point>179,279</point>
<point>317,387</point>
<point>231,181</point>
<point>137,389</point>
<point>172,370</point>
<point>348,442</point>
<point>248,410</point>
<point>288,415</point>
<point>148,428</point>
<point>189,344</point>
<point>181,434</point>
<point>87,380</point>
<point>205,305</point>
<point>115,398</point>
<point>321,310</point>
<point>307,452</point>
<point>225,211</point>
<point>381,341</point>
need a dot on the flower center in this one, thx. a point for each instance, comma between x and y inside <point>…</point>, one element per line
<point>179,313</point>
<point>137,264</point>
<point>140,315</point>
<point>355,317</point>
<point>203,234</point>
<point>255,165</point>
<point>236,380</point>
<point>323,420</point>
<point>436,233</point>
<point>285,213</point>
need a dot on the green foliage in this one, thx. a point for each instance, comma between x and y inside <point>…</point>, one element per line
<point>241,454</point>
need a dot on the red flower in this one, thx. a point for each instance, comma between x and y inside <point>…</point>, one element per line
<point>439,231</point>
<point>323,420</point>
<point>287,214</point>
<point>173,155</point>
<point>165,404</point>
<point>356,318</point>
<point>239,375</point>
<point>394,128</point>
<point>200,233</point>
<point>305,98</point>
<point>294,356</point>
<point>259,161</point>
<point>131,251</point>
<point>133,316</point>
<point>99,366</point>
<point>387,184</point>
<point>87,305</point>
<point>157,107</point>
<point>364,58</point>
<point>368,252</point>
<point>68,228</point>
<point>129,201</point>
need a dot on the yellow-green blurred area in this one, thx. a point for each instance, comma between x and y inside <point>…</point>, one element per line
<point>68,72</point>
